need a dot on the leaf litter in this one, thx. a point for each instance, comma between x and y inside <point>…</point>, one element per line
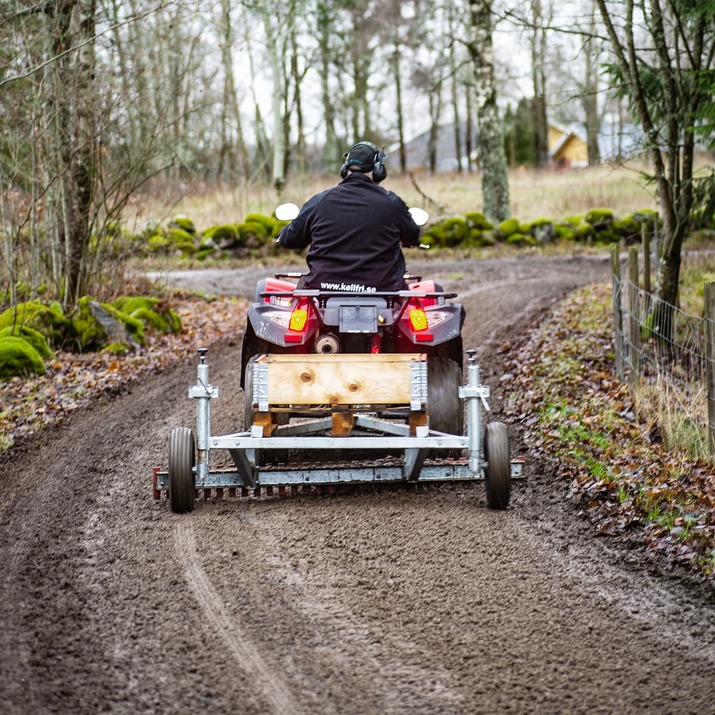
<point>577,416</point>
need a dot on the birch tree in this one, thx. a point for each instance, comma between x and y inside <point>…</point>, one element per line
<point>490,137</point>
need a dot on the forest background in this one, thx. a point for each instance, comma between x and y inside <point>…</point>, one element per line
<point>102,99</point>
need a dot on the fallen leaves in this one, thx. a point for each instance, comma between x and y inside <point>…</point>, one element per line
<point>73,380</point>
<point>579,418</point>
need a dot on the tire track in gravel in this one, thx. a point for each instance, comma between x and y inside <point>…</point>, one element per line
<point>246,654</point>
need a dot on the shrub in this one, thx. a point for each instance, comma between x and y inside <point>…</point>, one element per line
<point>19,358</point>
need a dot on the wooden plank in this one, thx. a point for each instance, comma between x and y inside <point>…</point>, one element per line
<point>344,379</point>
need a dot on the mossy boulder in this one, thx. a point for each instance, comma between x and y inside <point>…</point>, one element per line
<point>253,234</point>
<point>183,223</point>
<point>574,220</point>
<point>100,324</point>
<point>627,227</point>
<point>49,320</point>
<point>158,243</point>
<point>34,337</point>
<point>543,230</point>
<point>521,239</point>
<point>508,227</point>
<point>600,218</point>
<point>585,232</point>
<point>224,235</point>
<point>268,222</point>
<point>478,220</point>
<point>152,312</point>
<point>453,231</point>
<point>19,359</point>
<point>565,232</point>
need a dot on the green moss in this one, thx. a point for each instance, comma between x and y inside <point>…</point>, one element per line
<point>565,233</point>
<point>19,359</point>
<point>179,236</point>
<point>574,220</point>
<point>98,324</point>
<point>34,337</point>
<point>585,231</point>
<point>599,218</point>
<point>252,229</point>
<point>509,227</point>
<point>118,349</point>
<point>48,320</point>
<point>158,243</point>
<point>268,222</point>
<point>183,223</point>
<point>222,232</point>
<point>627,227</point>
<point>607,236</point>
<point>521,239</point>
<point>453,231</point>
<point>478,220</point>
<point>152,312</point>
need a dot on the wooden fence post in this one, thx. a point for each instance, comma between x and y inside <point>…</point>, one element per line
<point>617,293</point>
<point>634,328</point>
<point>709,312</point>
<point>645,240</point>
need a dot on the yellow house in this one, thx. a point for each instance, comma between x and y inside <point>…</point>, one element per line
<point>567,148</point>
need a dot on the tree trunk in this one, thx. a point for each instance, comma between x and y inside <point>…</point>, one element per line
<point>331,150</point>
<point>396,58</point>
<point>72,25</point>
<point>490,141</point>
<point>538,80</point>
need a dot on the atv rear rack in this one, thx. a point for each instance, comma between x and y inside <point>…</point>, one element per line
<point>357,416</point>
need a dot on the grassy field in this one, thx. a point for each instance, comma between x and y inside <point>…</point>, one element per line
<point>534,194</point>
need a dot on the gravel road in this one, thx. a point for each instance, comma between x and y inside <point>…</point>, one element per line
<point>380,601</point>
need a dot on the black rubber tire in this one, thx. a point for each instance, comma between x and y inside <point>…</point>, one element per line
<point>446,412</point>
<point>498,472</point>
<point>182,458</point>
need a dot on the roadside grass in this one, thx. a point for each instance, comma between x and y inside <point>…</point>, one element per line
<point>576,415</point>
<point>534,194</point>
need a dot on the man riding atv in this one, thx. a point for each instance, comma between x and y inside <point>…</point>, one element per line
<point>355,229</point>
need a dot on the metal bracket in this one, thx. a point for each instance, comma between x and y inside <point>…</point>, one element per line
<point>418,384</point>
<point>260,385</point>
<point>480,391</point>
<point>203,390</point>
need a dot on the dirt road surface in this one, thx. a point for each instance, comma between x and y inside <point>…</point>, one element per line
<point>384,601</point>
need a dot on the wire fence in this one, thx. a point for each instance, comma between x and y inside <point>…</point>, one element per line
<point>671,369</point>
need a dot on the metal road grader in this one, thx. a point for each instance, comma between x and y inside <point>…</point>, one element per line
<point>376,376</point>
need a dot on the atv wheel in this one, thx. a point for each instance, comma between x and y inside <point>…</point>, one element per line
<point>498,474</point>
<point>181,470</point>
<point>446,413</point>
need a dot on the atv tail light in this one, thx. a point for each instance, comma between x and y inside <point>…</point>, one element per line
<point>298,319</point>
<point>418,319</point>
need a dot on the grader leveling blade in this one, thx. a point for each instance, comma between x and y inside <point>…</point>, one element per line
<point>373,403</point>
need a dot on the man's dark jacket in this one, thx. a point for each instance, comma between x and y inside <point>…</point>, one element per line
<point>355,231</point>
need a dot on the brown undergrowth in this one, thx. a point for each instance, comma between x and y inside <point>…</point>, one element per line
<point>578,416</point>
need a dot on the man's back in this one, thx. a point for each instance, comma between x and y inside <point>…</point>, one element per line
<point>355,230</point>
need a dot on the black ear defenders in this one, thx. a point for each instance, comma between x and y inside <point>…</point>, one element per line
<point>379,171</point>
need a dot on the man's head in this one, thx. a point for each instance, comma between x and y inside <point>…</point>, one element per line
<point>365,158</point>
